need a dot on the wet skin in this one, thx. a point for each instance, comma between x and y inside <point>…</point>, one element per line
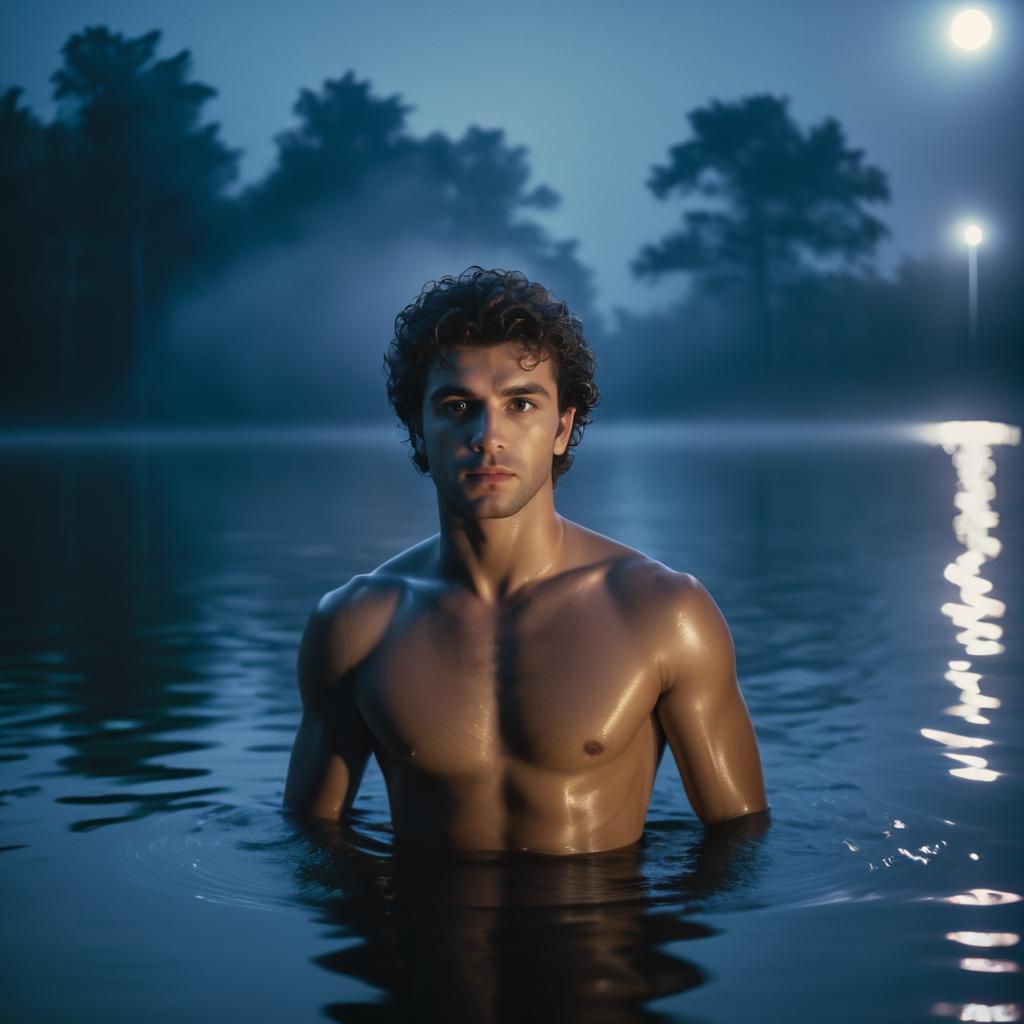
<point>517,675</point>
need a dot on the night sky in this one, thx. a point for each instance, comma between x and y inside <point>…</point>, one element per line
<point>598,92</point>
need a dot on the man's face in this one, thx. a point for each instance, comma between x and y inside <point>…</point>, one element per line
<point>486,411</point>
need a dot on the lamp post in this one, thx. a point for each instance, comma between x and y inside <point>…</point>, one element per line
<point>973,237</point>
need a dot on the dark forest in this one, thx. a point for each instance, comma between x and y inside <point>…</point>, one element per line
<point>142,285</point>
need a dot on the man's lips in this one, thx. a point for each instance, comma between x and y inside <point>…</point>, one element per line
<point>490,473</point>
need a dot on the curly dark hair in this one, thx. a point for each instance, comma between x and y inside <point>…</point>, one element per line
<point>481,307</point>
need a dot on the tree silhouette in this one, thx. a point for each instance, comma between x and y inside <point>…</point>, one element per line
<point>484,180</point>
<point>352,145</point>
<point>351,168</point>
<point>777,203</point>
<point>480,191</point>
<point>353,202</point>
<point>346,137</point>
<point>118,206</point>
<point>147,176</point>
<point>26,319</point>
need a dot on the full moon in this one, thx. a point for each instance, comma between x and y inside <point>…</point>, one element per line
<point>971,29</point>
<point>972,235</point>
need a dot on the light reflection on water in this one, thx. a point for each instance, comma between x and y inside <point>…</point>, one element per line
<point>971,444</point>
<point>148,708</point>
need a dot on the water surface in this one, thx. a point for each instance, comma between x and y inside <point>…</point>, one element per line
<point>156,589</point>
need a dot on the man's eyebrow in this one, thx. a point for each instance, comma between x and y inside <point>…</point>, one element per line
<point>461,391</point>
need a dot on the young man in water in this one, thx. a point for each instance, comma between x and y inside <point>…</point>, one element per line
<point>516,675</point>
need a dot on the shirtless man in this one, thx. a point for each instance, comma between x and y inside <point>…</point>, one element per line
<point>516,675</point>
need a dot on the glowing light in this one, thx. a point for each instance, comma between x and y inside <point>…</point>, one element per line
<point>951,739</point>
<point>951,434</point>
<point>977,770</point>
<point>971,29</point>
<point>975,774</point>
<point>979,700</point>
<point>977,963</point>
<point>973,235</point>
<point>979,1012</point>
<point>982,897</point>
<point>963,679</point>
<point>984,940</point>
<point>974,762</point>
<point>970,445</point>
<point>912,856</point>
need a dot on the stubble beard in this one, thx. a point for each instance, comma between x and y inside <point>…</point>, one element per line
<point>501,502</point>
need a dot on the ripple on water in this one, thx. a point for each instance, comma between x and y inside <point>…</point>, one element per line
<point>230,855</point>
<point>821,847</point>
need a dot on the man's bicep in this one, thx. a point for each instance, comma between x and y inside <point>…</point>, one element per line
<point>333,744</point>
<point>704,716</point>
<point>326,768</point>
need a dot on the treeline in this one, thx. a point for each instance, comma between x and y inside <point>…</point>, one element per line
<point>137,285</point>
<point>787,312</point>
<point>140,285</point>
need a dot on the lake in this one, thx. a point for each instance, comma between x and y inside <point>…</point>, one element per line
<point>157,587</point>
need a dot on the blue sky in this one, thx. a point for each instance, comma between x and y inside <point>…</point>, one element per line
<point>599,91</point>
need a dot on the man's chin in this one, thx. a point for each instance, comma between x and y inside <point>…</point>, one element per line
<point>486,509</point>
<point>489,506</point>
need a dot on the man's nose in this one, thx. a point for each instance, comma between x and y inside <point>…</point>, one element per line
<point>488,432</point>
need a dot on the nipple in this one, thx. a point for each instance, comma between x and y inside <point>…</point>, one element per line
<point>408,750</point>
<point>593,747</point>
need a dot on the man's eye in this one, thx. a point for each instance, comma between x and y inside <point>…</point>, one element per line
<point>533,405</point>
<point>453,408</point>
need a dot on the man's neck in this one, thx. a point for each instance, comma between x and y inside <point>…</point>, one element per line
<point>494,558</point>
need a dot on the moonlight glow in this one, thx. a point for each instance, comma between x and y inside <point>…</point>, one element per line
<point>973,235</point>
<point>971,29</point>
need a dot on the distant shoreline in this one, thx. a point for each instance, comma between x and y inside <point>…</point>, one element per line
<point>759,430</point>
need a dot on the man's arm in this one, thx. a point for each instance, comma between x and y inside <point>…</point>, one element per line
<point>333,743</point>
<point>702,711</point>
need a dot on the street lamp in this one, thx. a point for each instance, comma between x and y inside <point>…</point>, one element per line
<point>973,237</point>
<point>971,29</point>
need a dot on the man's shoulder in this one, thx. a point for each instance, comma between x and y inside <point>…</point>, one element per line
<point>414,563</point>
<point>667,605</point>
<point>677,620</point>
<point>684,624</point>
<point>636,576</point>
<point>380,585</point>
<point>349,621</point>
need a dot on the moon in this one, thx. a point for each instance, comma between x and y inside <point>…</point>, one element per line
<point>971,29</point>
<point>973,235</point>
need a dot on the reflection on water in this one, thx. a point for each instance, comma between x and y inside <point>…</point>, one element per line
<point>983,898</point>
<point>985,939</point>
<point>976,963</point>
<point>147,708</point>
<point>474,938</point>
<point>982,1012</point>
<point>512,937</point>
<point>970,444</point>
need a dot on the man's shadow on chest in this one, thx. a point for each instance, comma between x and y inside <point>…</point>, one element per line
<point>511,938</point>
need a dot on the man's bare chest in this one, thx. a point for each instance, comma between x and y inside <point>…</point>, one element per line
<point>562,684</point>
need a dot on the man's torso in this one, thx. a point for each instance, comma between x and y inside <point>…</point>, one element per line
<point>519,724</point>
